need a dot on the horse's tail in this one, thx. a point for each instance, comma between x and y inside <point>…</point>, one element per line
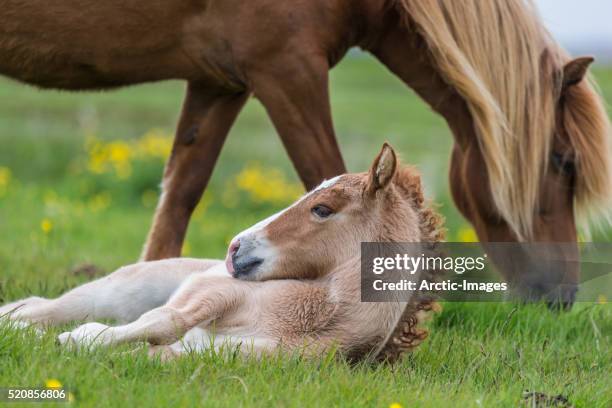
<point>491,53</point>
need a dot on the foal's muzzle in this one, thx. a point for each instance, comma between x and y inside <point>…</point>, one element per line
<point>240,262</point>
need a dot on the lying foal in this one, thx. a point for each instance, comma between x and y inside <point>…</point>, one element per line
<point>291,281</point>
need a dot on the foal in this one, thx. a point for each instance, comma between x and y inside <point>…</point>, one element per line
<point>291,281</point>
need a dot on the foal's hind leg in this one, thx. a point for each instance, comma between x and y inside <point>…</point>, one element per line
<point>295,94</point>
<point>200,299</point>
<point>206,119</point>
<point>123,295</point>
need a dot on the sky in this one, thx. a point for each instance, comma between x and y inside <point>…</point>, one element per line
<point>583,26</point>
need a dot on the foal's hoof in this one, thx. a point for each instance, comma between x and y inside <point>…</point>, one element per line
<point>87,335</point>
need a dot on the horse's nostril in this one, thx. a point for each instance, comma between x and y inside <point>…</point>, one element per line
<point>563,299</point>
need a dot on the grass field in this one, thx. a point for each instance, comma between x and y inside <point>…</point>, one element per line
<point>78,184</point>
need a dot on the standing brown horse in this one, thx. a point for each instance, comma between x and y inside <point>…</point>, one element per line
<point>531,136</point>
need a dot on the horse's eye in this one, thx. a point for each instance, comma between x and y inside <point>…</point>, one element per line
<point>563,163</point>
<point>322,211</point>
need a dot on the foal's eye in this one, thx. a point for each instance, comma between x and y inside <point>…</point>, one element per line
<point>321,211</point>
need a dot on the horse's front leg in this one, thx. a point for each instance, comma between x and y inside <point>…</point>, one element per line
<point>206,119</point>
<point>295,92</point>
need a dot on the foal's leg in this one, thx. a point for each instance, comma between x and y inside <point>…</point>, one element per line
<point>295,92</point>
<point>200,340</point>
<point>206,119</point>
<point>199,300</point>
<point>123,295</point>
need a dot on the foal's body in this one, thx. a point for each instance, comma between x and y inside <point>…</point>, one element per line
<point>195,304</point>
<point>281,286</point>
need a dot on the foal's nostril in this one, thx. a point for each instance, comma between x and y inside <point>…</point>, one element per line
<point>234,247</point>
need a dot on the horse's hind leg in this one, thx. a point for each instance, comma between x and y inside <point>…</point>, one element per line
<point>295,94</point>
<point>206,119</point>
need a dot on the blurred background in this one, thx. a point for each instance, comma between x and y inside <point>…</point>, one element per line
<point>582,27</point>
<point>79,173</point>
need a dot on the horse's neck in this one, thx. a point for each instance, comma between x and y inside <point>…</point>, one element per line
<point>404,53</point>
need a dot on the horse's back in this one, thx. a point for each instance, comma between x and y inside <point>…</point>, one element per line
<point>70,44</point>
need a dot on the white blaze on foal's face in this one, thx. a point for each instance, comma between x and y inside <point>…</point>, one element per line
<point>322,229</point>
<point>251,254</point>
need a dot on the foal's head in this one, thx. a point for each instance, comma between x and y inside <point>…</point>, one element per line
<point>325,227</point>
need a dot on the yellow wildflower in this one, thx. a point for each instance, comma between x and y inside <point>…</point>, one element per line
<point>46,225</point>
<point>115,155</point>
<point>156,144</point>
<point>467,234</point>
<point>266,185</point>
<point>118,152</point>
<point>118,155</point>
<point>395,405</point>
<point>98,156</point>
<point>601,299</point>
<point>53,383</point>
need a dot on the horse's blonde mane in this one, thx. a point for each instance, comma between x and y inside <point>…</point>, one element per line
<point>501,60</point>
<point>586,121</point>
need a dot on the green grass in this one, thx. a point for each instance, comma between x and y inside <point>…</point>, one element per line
<point>477,354</point>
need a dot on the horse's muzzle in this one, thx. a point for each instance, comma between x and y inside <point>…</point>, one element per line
<point>557,297</point>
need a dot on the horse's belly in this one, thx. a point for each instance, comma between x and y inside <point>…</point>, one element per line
<point>50,65</point>
<point>91,44</point>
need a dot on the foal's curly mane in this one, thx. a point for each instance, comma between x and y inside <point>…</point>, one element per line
<point>431,223</point>
<point>431,226</point>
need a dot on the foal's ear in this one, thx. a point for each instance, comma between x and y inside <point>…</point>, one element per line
<point>382,170</point>
<point>575,70</point>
